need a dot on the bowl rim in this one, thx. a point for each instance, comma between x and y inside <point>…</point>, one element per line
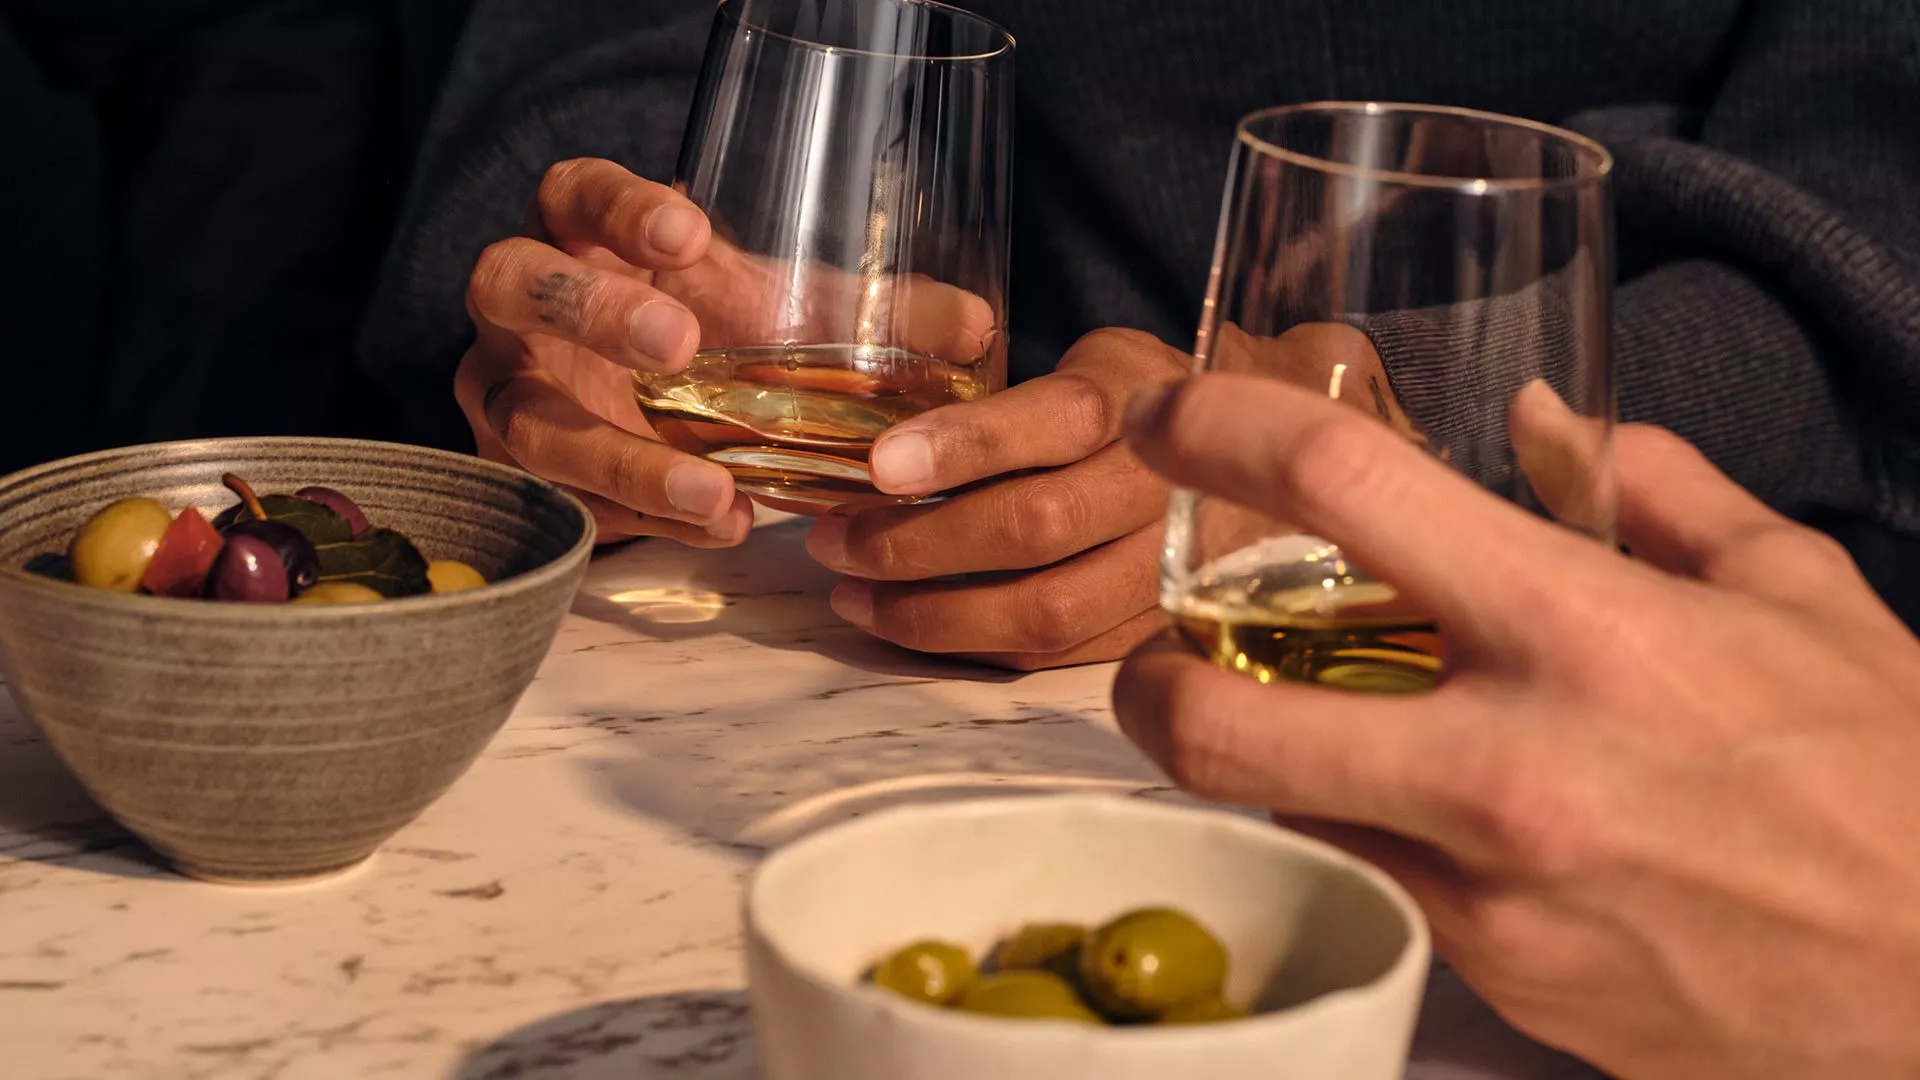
<point>135,603</point>
<point>1411,964</point>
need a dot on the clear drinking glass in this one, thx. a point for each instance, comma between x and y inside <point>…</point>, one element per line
<point>1446,271</point>
<point>853,157</point>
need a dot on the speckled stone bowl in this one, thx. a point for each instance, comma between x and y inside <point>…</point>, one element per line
<point>275,743</point>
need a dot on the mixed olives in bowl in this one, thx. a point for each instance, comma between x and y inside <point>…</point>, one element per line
<point>314,546</point>
<point>264,687</point>
<point>1153,965</point>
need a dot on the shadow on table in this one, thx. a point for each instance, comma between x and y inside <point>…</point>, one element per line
<point>751,793</point>
<point>1461,1038</point>
<point>702,1035</point>
<point>48,819</point>
<point>767,590</point>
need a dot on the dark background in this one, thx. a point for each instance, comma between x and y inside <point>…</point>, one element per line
<point>195,196</point>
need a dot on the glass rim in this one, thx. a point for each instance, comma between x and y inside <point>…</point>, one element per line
<point>730,9</point>
<point>1465,185</point>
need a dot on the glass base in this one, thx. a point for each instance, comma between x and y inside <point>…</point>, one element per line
<point>802,482</point>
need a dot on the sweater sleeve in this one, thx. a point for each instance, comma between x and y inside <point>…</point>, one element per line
<point>1779,326</point>
<point>1771,308</point>
<point>532,84</point>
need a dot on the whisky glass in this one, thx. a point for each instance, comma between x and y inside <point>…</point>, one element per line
<point>1445,271</point>
<point>853,157</point>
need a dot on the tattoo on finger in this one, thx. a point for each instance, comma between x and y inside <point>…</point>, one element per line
<point>559,295</point>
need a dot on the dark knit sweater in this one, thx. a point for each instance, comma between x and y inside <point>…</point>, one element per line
<point>1768,184</point>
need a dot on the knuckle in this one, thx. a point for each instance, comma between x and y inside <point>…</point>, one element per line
<point>1111,341</point>
<point>886,550</point>
<point>1823,551</point>
<point>1087,406</point>
<point>1333,340</point>
<point>1127,349</point>
<point>499,263</point>
<point>1782,551</point>
<point>1046,520</point>
<point>560,180</point>
<point>1542,826</point>
<point>1808,548</point>
<point>516,423</point>
<point>623,208</point>
<point>1647,440</point>
<point>1057,619</point>
<point>631,475</point>
<point>1510,929</point>
<point>902,620</point>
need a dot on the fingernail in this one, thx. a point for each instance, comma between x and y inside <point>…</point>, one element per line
<point>827,542</point>
<point>671,228</point>
<point>902,462</point>
<point>1146,403</point>
<point>660,328</point>
<point>853,601</point>
<point>699,489</point>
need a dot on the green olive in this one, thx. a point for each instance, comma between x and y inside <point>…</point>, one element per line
<point>1149,961</point>
<point>1206,1010</point>
<point>930,971</point>
<point>112,550</point>
<point>1051,947</point>
<point>1026,995</point>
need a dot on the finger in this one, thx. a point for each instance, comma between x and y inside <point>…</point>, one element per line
<point>1049,611</point>
<point>1112,645</point>
<point>747,299</point>
<point>1016,524</point>
<point>525,287</point>
<point>943,321</point>
<point>589,202</point>
<point>549,433</point>
<point>615,522</point>
<point>1567,459</point>
<point>1683,515</point>
<point>1053,420</point>
<point>1411,766</point>
<point>1484,568</point>
<point>612,521</point>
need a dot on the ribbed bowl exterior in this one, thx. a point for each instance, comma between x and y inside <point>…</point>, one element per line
<point>263,743</point>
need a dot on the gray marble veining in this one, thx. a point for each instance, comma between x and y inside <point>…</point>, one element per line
<point>568,909</point>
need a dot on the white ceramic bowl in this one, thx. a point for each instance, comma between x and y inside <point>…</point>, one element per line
<point>1332,952</point>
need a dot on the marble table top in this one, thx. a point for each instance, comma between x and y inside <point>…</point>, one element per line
<point>569,908</point>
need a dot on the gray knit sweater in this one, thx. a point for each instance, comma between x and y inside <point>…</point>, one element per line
<point>1768,184</point>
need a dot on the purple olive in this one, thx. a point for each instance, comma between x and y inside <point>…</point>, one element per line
<point>290,544</point>
<point>337,503</point>
<point>248,571</point>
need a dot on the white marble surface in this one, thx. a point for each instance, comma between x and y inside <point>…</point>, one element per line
<point>568,909</point>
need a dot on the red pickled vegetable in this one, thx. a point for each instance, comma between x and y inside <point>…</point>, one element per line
<point>186,552</point>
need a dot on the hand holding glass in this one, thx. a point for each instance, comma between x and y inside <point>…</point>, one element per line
<point>852,157</point>
<point>1444,270</point>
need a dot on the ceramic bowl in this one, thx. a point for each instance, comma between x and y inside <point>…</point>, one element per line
<point>272,743</point>
<point>1329,951</point>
